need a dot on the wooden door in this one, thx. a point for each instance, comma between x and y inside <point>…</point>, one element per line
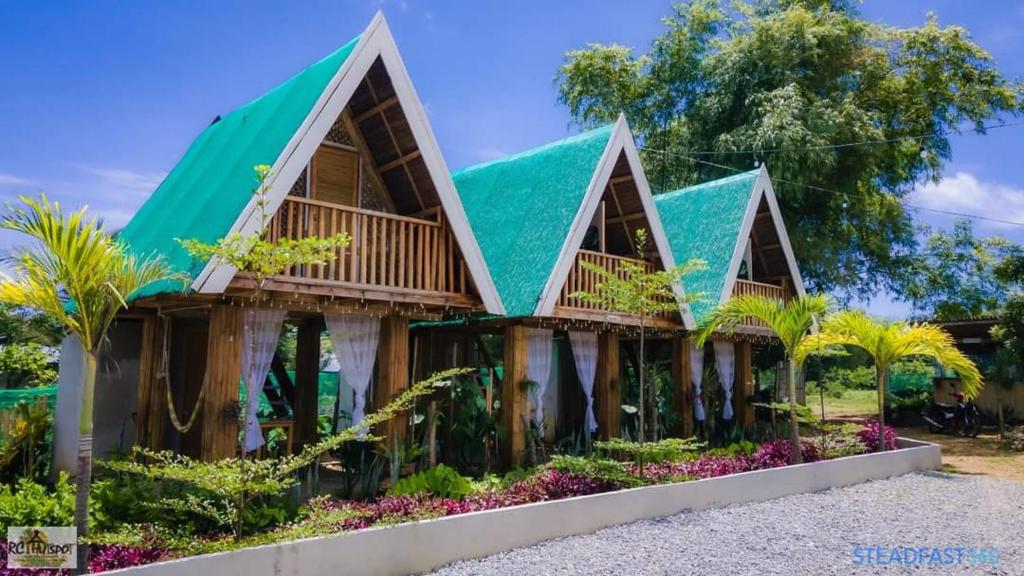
<point>335,174</point>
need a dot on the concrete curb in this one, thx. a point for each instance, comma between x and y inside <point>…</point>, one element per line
<point>421,546</point>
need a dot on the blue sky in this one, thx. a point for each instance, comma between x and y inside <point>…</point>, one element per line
<point>101,98</point>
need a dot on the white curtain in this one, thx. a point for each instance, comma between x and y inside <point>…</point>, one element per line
<point>584,353</point>
<point>697,374</point>
<point>260,332</point>
<point>725,359</point>
<point>355,340</point>
<point>538,366</point>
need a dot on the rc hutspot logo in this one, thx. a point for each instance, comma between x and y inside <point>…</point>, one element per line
<point>41,547</point>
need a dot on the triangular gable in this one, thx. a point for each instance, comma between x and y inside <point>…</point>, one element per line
<point>712,222</point>
<point>531,210</point>
<point>284,128</point>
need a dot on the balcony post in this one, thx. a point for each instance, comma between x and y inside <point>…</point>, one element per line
<point>743,396</point>
<point>392,376</point>
<point>607,393</point>
<point>514,409</point>
<point>307,382</point>
<point>224,366</point>
<point>682,391</point>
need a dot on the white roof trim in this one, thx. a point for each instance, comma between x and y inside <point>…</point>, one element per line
<point>621,140</point>
<point>375,41</point>
<point>762,188</point>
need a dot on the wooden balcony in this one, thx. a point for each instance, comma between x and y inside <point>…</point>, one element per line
<point>390,257</point>
<point>581,279</point>
<point>751,288</point>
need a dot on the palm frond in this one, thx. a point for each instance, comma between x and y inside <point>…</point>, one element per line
<point>791,321</point>
<point>72,270</point>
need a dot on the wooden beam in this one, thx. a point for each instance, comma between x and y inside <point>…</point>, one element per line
<point>401,160</point>
<point>359,293</point>
<point>743,395</point>
<point>365,158</point>
<point>486,355</point>
<point>604,317</point>
<point>392,376</point>
<point>618,210</point>
<point>607,386</point>
<point>224,370</point>
<point>621,179</point>
<point>627,218</point>
<point>398,149</point>
<point>514,409</point>
<point>151,417</point>
<point>682,389</point>
<point>284,381</point>
<point>377,109</point>
<point>307,382</point>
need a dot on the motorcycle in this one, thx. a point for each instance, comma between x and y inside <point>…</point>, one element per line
<point>962,417</point>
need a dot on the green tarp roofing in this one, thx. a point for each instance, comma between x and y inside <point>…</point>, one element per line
<point>704,222</point>
<point>207,190</point>
<point>521,209</point>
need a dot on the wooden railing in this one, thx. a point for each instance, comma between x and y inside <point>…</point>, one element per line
<point>386,250</point>
<point>751,288</point>
<point>583,280</point>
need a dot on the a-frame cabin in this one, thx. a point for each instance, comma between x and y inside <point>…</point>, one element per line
<point>734,225</point>
<point>538,215</point>
<point>350,151</point>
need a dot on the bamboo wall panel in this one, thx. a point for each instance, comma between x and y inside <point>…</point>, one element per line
<point>386,250</point>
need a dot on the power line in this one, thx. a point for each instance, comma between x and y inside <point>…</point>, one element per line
<point>838,193</point>
<point>978,130</point>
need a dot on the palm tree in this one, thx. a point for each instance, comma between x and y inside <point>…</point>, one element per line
<point>791,321</point>
<point>74,272</point>
<point>887,342</point>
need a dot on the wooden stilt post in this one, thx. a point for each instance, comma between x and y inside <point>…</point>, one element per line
<point>392,375</point>
<point>224,365</point>
<point>151,415</point>
<point>682,392</point>
<point>307,382</point>
<point>513,397</point>
<point>743,394</point>
<point>607,391</point>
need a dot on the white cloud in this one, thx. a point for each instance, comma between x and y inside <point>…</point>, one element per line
<point>964,192</point>
<point>485,154</point>
<point>12,180</point>
<point>139,182</point>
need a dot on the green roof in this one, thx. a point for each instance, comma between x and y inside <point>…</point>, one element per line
<point>704,221</point>
<point>210,186</point>
<point>521,209</point>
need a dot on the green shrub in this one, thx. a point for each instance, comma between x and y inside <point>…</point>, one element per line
<point>667,450</point>
<point>741,448</point>
<point>441,481</point>
<point>831,388</point>
<point>859,378</point>
<point>611,471</point>
<point>29,503</point>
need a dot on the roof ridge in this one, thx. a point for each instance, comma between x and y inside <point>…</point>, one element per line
<point>538,149</point>
<point>709,183</point>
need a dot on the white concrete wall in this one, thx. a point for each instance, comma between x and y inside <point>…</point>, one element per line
<point>421,546</point>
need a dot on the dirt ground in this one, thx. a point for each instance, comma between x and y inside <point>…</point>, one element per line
<point>981,455</point>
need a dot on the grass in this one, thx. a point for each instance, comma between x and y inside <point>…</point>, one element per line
<point>853,404</point>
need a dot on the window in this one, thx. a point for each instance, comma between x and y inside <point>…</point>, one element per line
<point>335,176</point>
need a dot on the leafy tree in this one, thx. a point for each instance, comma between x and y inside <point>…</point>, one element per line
<point>24,325</point>
<point>889,342</point>
<point>791,83</point>
<point>635,291</point>
<point>791,321</point>
<point>74,272</point>
<point>26,366</point>
<point>955,275</point>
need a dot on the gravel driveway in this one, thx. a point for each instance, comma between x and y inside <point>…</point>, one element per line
<point>813,534</point>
